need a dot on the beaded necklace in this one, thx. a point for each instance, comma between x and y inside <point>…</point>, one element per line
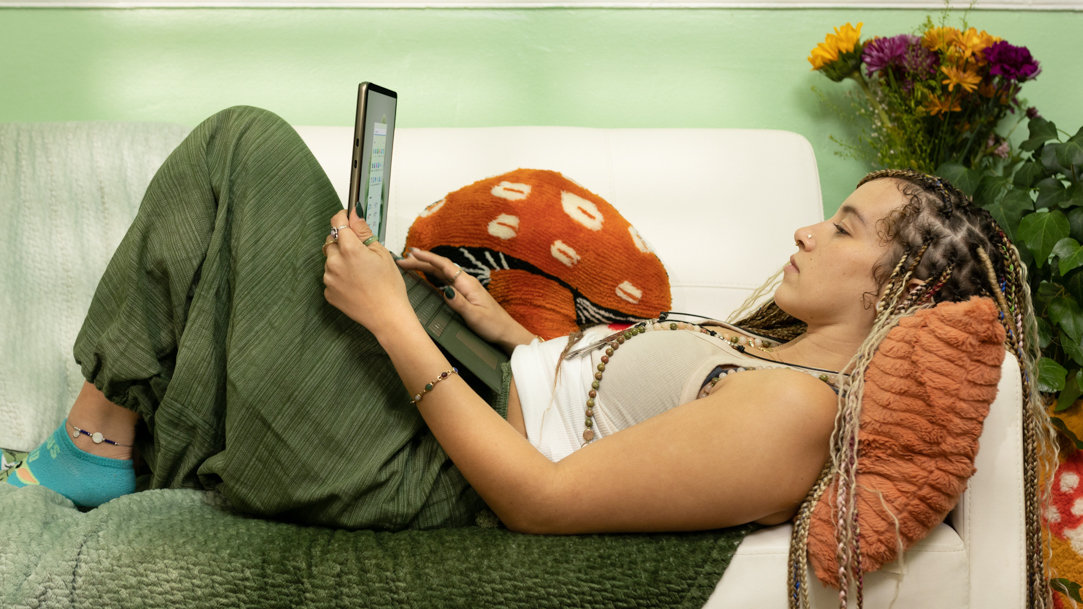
<point>613,342</point>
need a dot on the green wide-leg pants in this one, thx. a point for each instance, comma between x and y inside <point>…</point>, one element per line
<point>210,323</point>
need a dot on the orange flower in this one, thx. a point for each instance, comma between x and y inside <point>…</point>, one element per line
<point>935,105</point>
<point>967,79</point>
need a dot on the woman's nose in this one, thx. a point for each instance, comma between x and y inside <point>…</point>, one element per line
<point>802,237</point>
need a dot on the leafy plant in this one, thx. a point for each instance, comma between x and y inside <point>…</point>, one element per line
<point>1037,199</point>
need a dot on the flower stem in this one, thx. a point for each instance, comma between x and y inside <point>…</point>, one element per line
<point>872,98</point>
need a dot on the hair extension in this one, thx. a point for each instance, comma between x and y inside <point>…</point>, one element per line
<point>766,318</point>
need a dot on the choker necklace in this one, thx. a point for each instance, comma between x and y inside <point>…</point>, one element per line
<point>613,342</point>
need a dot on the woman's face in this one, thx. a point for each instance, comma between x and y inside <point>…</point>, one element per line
<point>830,279</point>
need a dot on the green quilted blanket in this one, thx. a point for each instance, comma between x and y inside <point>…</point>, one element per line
<point>178,548</point>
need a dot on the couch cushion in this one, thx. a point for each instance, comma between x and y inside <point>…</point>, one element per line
<point>927,392</point>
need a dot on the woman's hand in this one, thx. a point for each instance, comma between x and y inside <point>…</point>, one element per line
<point>465,294</point>
<point>362,280</point>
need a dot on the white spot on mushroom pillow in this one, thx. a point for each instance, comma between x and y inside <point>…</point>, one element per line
<point>554,254</point>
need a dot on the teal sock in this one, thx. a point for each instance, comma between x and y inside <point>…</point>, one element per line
<point>88,480</point>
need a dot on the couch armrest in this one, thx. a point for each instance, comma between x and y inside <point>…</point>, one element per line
<point>990,515</point>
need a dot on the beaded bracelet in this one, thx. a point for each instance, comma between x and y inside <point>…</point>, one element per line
<point>429,386</point>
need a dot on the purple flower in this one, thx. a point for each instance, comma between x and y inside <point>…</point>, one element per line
<point>1011,62</point>
<point>882,53</point>
<point>1032,112</point>
<point>904,55</point>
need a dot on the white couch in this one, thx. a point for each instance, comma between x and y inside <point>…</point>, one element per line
<point>719,206</point>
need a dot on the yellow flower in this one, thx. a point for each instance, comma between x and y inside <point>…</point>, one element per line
<point>972,42</point>
<point>940,39</point>
<point>966,79</point>
<point>842,41</point>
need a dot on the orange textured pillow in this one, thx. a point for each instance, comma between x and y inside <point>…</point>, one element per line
<point>928,389</point>
<point>552,253</point>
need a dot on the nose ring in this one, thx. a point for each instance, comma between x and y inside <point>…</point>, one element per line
<point>809,236</point>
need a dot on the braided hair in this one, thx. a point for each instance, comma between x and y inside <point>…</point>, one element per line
<point>956,250</point>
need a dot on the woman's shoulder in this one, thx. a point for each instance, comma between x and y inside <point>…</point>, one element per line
<point>782,391</point>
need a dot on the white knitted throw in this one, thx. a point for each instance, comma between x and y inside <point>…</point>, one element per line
<point>67,194</point>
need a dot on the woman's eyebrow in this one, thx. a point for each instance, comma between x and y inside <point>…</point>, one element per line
<point>852,211</point>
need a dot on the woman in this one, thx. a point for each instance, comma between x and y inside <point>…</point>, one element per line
<point>213,345</point>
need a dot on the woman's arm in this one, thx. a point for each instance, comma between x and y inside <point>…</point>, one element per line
<point>749,452</point>
<point>470,299</point>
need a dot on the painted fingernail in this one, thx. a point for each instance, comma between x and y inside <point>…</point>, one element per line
<point>449,292</point>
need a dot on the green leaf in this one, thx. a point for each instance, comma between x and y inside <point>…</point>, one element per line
<point>1045,333</point>
<point>1050,161</point>
<point>1047,291</point>
<point>1041,131</point>
<point>1072,348</point>
<point>1051,375</point>
<point>1073,283</point>
<point>963,178</point>
<point>1068,587</point>
<point>1028,174</point>
<point>1041,230</point>
<point>1070,254</point>
<point>1070,393</point>
<point>1065,246</point>
<point>1066,313</point>
<point>1075,197</point>
<point>1051,193</point>
<point>1070,154</point>
<point>1078,137</point>
<point>1009,210</point>
<point>991,190</point>
<point>1075,220</point>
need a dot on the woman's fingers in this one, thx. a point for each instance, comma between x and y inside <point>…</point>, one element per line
<point>362,230</point>
<point>358,229</point>
<point>434,264</point>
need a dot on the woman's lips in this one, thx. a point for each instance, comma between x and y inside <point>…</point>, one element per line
<point>793,263</point>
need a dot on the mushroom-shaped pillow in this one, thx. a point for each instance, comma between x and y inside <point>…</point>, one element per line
<point>552,253</point>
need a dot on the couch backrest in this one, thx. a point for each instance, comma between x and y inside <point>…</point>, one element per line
<point>718,206</point>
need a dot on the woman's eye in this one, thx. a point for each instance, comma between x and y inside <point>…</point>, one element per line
<point>839,229</point>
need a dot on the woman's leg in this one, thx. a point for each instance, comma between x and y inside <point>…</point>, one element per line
<point>215,298</point>
<point>71,463</point>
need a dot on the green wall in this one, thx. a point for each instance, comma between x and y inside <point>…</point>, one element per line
<point>474,67</point>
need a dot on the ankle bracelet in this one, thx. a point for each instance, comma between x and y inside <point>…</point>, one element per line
<point>96,437</point>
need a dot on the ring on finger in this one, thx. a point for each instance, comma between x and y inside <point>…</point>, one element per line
<point>335,229</point>
<point>457,273</point>
<point>369,241</point>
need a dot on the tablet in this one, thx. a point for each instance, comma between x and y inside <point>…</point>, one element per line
<point>370,173</point>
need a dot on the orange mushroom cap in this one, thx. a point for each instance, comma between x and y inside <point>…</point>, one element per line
<point>540,222</point>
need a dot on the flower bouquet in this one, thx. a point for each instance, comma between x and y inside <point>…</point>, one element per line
<point>928,98</point>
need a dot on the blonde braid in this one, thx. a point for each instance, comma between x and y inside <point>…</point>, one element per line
<point>798,557</point>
